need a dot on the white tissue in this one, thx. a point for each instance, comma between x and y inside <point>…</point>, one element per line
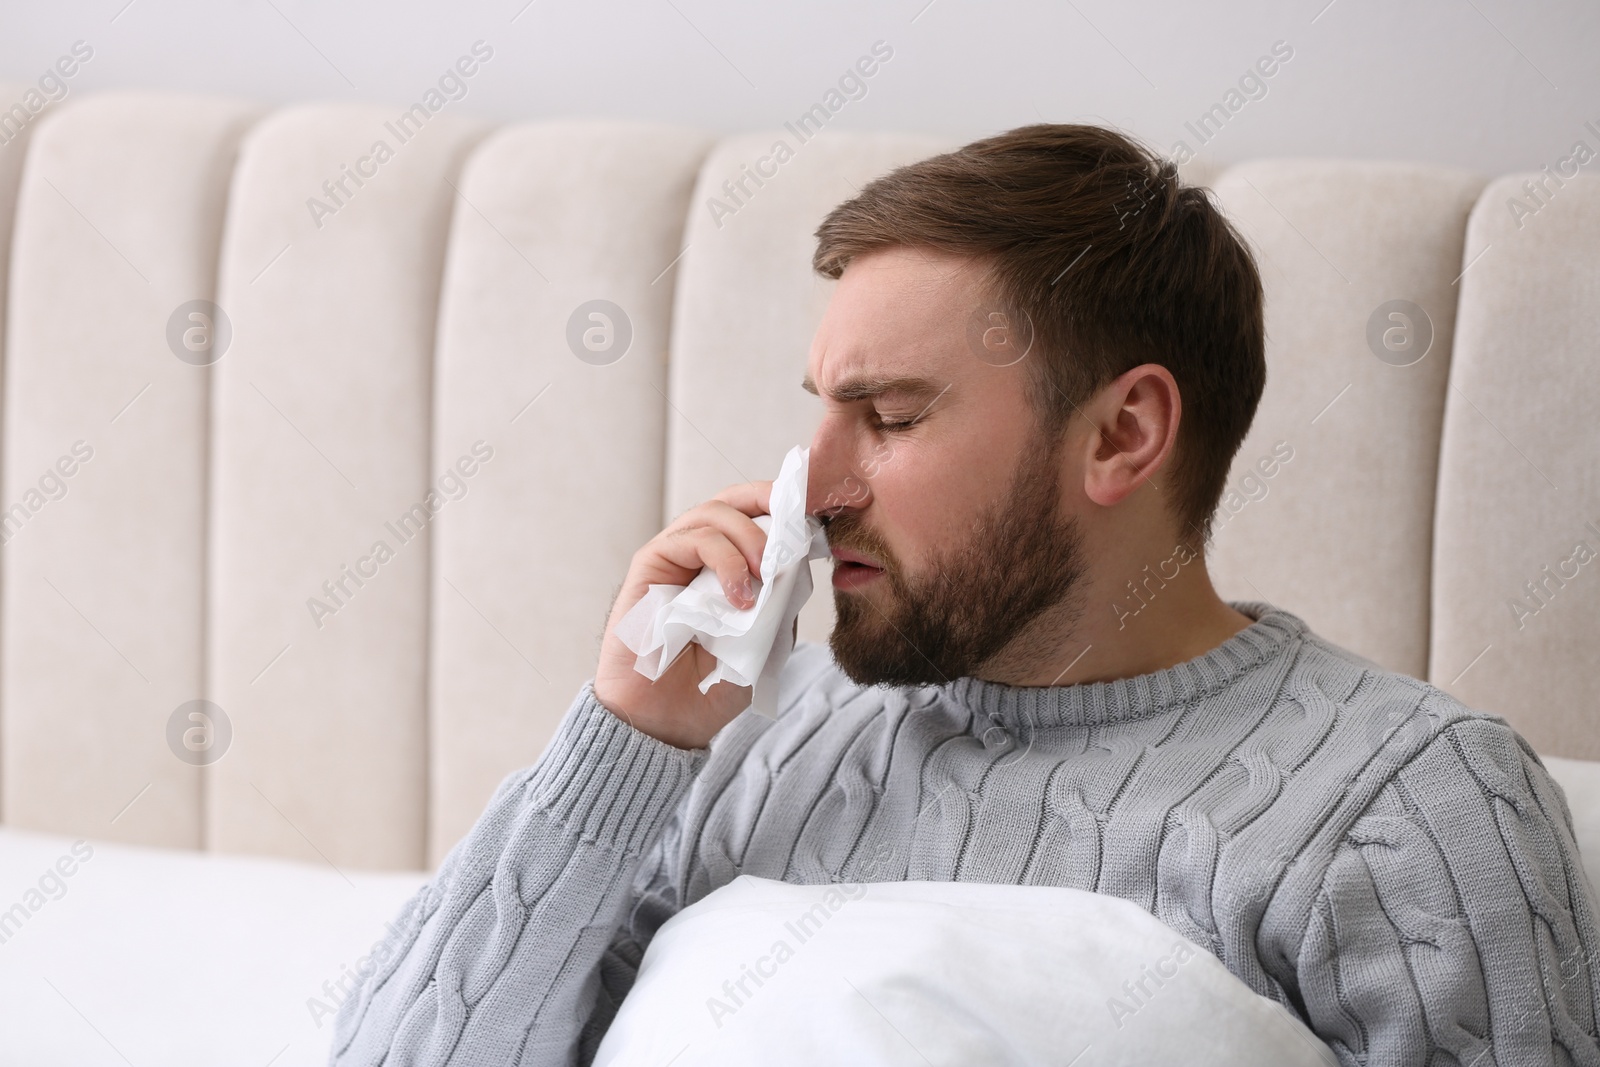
<point>750,644</point>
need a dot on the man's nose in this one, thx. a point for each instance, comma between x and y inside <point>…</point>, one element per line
<point>833,483</point>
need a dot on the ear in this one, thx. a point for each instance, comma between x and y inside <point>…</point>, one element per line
<point>1136,417</point>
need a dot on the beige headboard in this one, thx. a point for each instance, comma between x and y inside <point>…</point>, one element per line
<point>405,365</point>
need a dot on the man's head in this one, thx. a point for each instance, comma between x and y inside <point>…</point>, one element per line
<point>1042,350</point>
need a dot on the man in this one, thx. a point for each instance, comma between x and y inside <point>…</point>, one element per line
<point>1041,356</point>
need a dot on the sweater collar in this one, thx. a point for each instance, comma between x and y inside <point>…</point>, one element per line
<point>1125,699</point>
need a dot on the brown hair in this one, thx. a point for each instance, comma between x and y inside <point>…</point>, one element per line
<point>1092,239</point>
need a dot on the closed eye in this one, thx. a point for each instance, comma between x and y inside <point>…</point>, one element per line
<point>896,425</point>
<point>900,425</point>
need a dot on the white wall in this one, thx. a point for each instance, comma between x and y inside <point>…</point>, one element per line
<point>1490,85</point>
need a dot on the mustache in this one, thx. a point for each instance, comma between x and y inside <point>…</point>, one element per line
<point>847,531</point>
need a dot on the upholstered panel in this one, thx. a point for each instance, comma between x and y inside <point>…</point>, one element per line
<point>551,217</point>
<point>118,224</point>
<point>15,133</point>
<point>322,455</point>
<point>748,303</point>
<point>14,138</point>
<point>1329,511</point>
<point>1517,546</point>
<point>1202,171</point>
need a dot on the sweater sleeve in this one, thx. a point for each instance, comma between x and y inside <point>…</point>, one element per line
<point>1455,917</point>
<point>519,948</point>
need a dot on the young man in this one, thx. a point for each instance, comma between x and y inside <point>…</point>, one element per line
<point>1041,356</point>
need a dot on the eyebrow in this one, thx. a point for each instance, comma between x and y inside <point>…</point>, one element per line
<point>867,387</point>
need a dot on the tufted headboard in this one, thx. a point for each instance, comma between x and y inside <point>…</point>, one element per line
<point>310,431</point>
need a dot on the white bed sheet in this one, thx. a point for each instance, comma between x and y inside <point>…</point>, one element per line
<point>163,957</point>
<point>156,956</point>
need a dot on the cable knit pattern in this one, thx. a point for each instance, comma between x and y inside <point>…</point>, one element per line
<point>1396,869</point>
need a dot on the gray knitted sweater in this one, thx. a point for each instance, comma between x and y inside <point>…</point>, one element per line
<point>1396,869</point>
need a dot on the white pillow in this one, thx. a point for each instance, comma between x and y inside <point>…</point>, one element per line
<point>762,972</point>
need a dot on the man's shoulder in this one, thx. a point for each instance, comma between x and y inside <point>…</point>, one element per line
<point>1384,725</point>
<point>1397,763</point>
<point>1398,725</point>
<point>1397,706</point>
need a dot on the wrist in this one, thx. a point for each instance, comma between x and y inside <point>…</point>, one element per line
<point>668,733</point>
<point>594,754</point>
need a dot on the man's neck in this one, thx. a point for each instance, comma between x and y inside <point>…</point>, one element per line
<point>1169,615</point>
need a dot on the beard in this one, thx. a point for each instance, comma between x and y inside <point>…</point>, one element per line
<point>1020,559</point>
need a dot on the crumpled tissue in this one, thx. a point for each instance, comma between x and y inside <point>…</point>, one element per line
<point>750,644</point>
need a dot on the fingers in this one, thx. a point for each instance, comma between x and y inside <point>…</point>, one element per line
<point>732,523</point>
<point>752,498</point>
<point>706,546</point>
<point>720,534</point>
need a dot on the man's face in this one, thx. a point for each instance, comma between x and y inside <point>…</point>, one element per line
<point>942,497</point>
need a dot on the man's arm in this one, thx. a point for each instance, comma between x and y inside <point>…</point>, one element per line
<point>654,900</point>
<point>501,961</point>
<point>514,948</point>
<point>1456,916</point>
